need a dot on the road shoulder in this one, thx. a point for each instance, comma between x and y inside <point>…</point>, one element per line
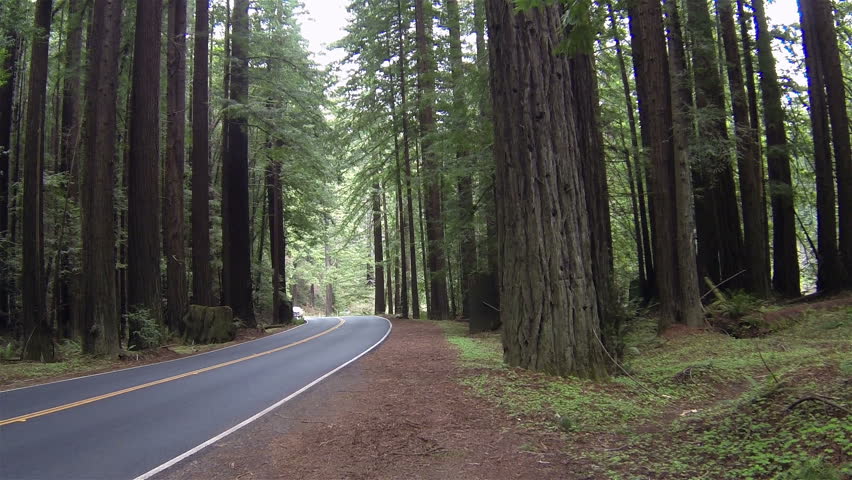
<point>399,412</point>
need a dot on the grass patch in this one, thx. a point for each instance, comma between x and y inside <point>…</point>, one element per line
<point>719,407</point>
<point>72,362</point>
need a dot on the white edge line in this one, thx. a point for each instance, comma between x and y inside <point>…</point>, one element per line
<point>251,419</point>
<point>156,363</point>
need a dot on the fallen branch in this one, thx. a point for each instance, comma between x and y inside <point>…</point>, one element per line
<point>817,399</point>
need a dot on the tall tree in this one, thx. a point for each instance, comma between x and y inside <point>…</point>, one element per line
<point>202,277</point>
<point>438,301</point>
<point>173,222</point>
<point>467,240</point>
<point>406,151</point>
<point>829,59</point>
<point>586,108</point>
<point>38,331</point>
<point>236,273</point>
<point>669,181</point>
<point>378,251</point>
<point>748,158</point>
<point>275,209</point>
<point>100,302</point>
<point>70,124</point>
<point>785,256</point>
<point>548,299</point>
<point>643,237</point>
<point>143,173</point>
<point>830,271</point>
<point>7,95</point>
<point>720,245</point>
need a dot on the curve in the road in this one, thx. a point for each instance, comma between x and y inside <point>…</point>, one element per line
<point>166,412</point>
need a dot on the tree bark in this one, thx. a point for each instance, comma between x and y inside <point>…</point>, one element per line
<point>406,149</point>
<point>835,88</point>
<point>173,216</point>
<point>38,331</point>
<point>143,193</point>
<point>720,243</point>
<point>100,307</point>
<point>830,271</point>
<point>378,251</point>
<point>237,254</point>
<point>387,264</point>
<point>669,180</point>
<point>584,84</point>
<point>7,96</point>
<point>785,255</point>
<point>202,278</point>
<point>748,158</point>
<point>548,297</point>
<point>460,126</point>
<point>438,307</point>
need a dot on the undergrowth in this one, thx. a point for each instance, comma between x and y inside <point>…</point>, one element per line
<point>696,405</point>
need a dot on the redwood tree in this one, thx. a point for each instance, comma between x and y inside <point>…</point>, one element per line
<point>785,256</point>
<point>236,272</point>
<point>202,278</point>
<point>829,59</point>
<point>173,224</point>
<point>438,301</point>
<point>669,182</point>
<point>38,331</point>
<point>100,302</point>
<point>548,299</point>
<point>143,175</point>
<point>749,163</point>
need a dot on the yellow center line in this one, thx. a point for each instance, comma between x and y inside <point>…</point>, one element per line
<point>48,411</point>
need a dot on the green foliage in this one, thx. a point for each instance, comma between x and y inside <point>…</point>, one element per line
<point>702,405</point>
<point>148,332</point>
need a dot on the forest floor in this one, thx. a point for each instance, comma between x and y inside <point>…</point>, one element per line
<point>73,363</point>
<point>433,402</point>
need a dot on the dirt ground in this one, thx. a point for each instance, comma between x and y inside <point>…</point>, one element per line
<point>399,412</point>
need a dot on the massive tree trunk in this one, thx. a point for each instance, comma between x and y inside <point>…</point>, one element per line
<point>829,58</point>
<point>173,221</point>
<point>378,251</point>
<point>38,331</point>
<point>584,84</point>
<point>467,234</point>
<point>748,159</point>
<point>830,271</point>
<point>100,307</point>
<point>235,210</point>
<point>548,298</point>
<point>438,301</point>
<point>7,95</point>
<point>143,178</point>
<point>669,176</point>
<point>785,255</point>
<point>720,245</point>
<point>202,277</point>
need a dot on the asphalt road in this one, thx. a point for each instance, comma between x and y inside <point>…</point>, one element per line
<point>126,424</point>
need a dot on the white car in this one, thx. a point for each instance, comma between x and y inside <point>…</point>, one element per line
<point>298,313</point>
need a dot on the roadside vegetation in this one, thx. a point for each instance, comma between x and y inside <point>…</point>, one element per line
<point>72,361</point>
<point>691,403</point>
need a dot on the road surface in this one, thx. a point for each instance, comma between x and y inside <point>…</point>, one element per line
<point>133,423</point>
